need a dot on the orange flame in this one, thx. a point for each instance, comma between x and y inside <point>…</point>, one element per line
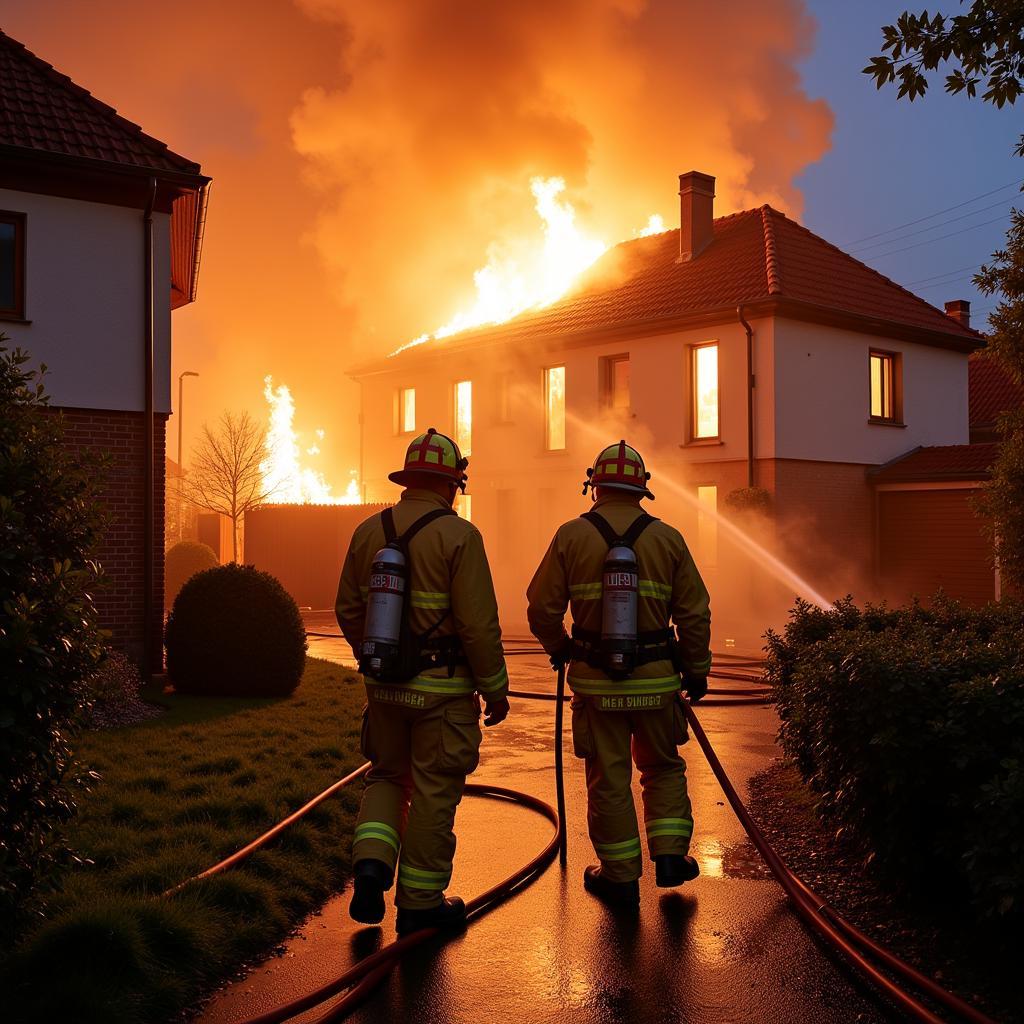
<point>508,286</point>
<point>285,478</point>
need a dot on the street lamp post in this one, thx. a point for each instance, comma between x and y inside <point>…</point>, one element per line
<point>181,457</point>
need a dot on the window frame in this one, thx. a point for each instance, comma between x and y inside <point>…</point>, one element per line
<point>466,450</point>
<point>546,377</point>
<point>400,427</point>
<point>20,223</point>
<point>895,359</point>
<point>693,437</point>
<point>607,384</point>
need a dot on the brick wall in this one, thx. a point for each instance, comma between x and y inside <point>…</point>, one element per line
<point>121,436</point>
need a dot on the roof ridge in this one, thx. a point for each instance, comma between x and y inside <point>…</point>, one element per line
<point>66,83</point>
<point>771,255</point>
<point>877,273</point>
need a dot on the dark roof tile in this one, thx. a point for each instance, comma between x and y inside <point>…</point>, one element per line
<point>43,110</point>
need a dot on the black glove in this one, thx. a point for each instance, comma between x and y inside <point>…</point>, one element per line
<point>562,654</point>
<point>695,687</point>
<point>495,711</point>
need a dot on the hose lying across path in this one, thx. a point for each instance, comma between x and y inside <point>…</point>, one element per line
<point>844,938</point>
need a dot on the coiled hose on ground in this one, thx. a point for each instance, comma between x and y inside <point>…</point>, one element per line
<point>827,924</point>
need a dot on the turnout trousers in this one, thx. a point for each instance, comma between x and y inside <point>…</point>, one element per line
<point>610,741</point>
<point>420,758</point>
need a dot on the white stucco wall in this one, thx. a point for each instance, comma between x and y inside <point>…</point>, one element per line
<point>84,301</point>
<point>822,389</point>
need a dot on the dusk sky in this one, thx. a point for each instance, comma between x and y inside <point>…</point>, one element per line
<point>367,158</point>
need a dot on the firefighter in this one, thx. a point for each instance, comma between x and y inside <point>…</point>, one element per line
<point>624,668</point>
<point>421,733</point>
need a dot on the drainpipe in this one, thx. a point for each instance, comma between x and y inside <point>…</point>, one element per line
<point>149,511</point>
<point>750,396</point>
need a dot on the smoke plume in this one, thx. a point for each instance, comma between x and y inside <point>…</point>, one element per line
<point>368,157</point>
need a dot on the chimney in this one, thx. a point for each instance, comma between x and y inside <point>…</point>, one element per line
<point>696,213</point>
<point>960,311</point>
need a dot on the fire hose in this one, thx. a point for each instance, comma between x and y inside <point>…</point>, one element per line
<point>824,922</point>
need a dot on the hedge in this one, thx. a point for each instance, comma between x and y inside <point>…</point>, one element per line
<point>909,725</point>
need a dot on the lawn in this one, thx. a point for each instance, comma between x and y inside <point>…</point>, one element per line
<point>176,794</point>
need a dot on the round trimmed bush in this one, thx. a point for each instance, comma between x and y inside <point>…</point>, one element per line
<point>181,563</point>
<point>235,631</point>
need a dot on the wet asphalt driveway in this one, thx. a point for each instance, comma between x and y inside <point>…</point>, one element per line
<point>724,948</point>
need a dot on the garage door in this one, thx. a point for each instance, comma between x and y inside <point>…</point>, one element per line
<point>932,539</point>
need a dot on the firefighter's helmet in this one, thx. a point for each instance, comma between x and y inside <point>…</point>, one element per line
<point>619,467</point>
<point>432,454</point>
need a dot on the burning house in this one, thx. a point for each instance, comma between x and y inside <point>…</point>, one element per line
<point>735,352</point>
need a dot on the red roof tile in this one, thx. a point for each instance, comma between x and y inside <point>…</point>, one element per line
<point>992,391</point>
<point>754,255</point>
<point>43,110</point>
<point>948,462</point>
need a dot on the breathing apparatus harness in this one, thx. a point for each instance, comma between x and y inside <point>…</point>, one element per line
<point>390,651</point>
<point>619,648</point>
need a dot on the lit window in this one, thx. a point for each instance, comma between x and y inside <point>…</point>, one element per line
<point>12,264</point>
<point>615,383</point>
<point>707,523</point>
<point>464,416</point>
<point>554,403</point>
<point>406,410</point>
<point>705,392</point>
<point>884,374</point>
<point>464,506</point>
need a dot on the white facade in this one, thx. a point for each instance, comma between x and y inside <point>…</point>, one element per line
<point>822,395</point>
<point>84,301</point>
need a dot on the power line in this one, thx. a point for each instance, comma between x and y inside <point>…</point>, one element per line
<point>938,238</point>
<point>935,277</point>
<point>938,213</point>
<point>934,227</point>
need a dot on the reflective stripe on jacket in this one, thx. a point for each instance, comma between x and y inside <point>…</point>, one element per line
<point>448,573</point>
<point>669,587</point>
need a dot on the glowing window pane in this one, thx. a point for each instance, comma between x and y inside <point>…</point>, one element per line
<point>464,506</point>
<point>705,391</point>
<point>707,523</point>
<point>554,395</point>
<point>407,410</point>
<point>464,416</point>
<point>881,385</point>
<point>615,376</point>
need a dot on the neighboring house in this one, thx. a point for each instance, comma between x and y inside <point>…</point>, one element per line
<point>100,235</point>
<point>928,533</point>
<point>736,351</point>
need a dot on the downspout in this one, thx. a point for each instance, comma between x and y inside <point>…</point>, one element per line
<point>750,396</point>
<point>149,510</point>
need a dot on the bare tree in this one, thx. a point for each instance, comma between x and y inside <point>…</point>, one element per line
<point>225,473</point>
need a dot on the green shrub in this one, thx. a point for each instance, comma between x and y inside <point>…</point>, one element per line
<point>181,563</point>
<point>49,639</point>
<point>235,631</point>
<point>113,691</point>
<point>909,724</point>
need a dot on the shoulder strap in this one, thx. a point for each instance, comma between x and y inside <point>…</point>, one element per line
<point>424,520</point>
<point>611,538</point>
<point>602,526</point>
<point>387,520</point>
<point>629,538</point>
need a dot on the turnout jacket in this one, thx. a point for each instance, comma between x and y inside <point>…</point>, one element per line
<point>670,588</point>
<point>448,572</point>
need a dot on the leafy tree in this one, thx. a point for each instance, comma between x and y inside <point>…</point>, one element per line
<point>50,643</point>
<point>225,475</point>
<point>985,44</point>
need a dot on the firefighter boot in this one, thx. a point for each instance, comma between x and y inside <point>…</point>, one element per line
<point>625,895</point>
<point>672,869</point>
<point>370,879</point>
<point>449,913</point>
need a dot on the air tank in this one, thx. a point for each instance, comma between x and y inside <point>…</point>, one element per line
<point>619,587</point>
<point>384,604</point>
